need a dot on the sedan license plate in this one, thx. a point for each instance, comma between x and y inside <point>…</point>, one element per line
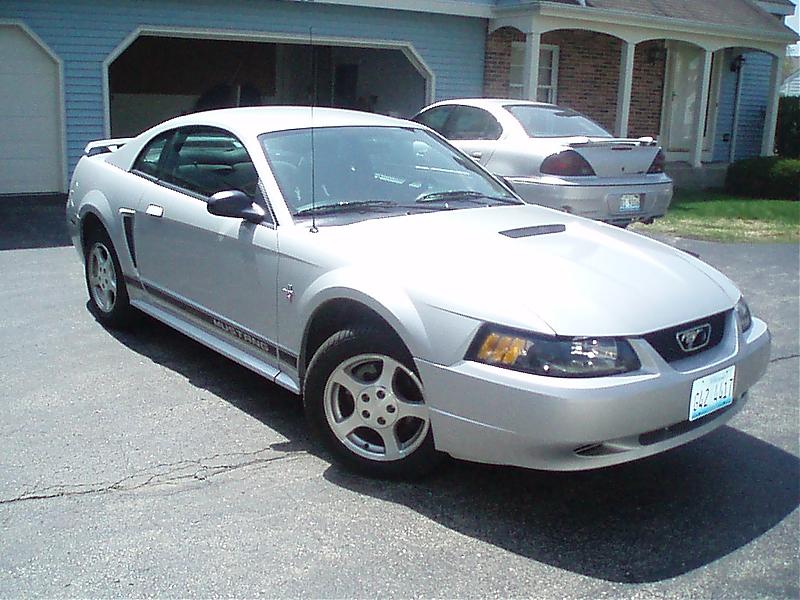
<point>630,203</point>
<point>712,392</point>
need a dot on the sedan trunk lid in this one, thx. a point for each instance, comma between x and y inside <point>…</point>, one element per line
<point>615,157</point>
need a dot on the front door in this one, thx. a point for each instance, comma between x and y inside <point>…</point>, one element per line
<point>218,270</point>
<point>682,98</point>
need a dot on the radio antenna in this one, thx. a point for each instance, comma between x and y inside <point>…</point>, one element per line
<point>313,103</point>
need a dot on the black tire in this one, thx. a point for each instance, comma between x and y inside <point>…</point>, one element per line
<point>115,311</point>
<point>363,350</point>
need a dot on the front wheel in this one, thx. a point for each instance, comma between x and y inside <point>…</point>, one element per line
<point>366,403</point>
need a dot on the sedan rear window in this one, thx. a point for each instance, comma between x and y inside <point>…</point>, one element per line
<point>553,121</point>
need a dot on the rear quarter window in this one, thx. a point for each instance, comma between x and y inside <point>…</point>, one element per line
<point>435,118</point>
<point>149,158</point>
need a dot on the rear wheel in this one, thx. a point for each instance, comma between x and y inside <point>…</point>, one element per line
<point>108,295</point>
<point>366,403</point>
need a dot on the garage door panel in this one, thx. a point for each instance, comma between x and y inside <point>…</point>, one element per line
<point>30,116</point>
<point>15,174</point>
<point>18,48</point>
<point>26,95</point>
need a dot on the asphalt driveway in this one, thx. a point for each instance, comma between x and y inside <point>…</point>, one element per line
<point>142,464</point>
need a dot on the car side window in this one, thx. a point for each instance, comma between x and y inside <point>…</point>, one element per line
<point>436,118</point>
<point>207,160</point>
<point>472,123</point>
<point>150,157</point>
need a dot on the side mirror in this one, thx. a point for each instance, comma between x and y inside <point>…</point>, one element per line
<point>236,204</point>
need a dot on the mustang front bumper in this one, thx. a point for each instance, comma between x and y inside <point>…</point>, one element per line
<point>599,202</point>
<point>494,415</point>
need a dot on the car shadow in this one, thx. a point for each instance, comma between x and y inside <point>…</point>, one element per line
<point>33,221</point>
<point>642,522</point>
<point>636,523</point>
<point>208,370</point>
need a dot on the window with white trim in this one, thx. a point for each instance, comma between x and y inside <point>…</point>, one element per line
<point>547,90</point>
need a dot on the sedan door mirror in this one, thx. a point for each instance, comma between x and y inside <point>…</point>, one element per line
<point>236,204</point>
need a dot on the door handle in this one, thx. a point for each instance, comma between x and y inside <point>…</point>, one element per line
<point>154,210</point>
<point>477,154</point>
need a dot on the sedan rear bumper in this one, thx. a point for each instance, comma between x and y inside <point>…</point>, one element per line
<point>600,202</point>
<point>493,415</point>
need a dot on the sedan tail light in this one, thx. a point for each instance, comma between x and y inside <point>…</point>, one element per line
<point>568,163</point>
<point>657,165</point>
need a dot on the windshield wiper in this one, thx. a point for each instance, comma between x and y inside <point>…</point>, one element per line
<point>466,196</point>
<point>344,206</point>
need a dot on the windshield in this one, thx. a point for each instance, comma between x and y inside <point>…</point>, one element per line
<point>375,169</point>
<point>552,121</point>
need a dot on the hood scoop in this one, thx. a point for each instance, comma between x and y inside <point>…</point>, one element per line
<point>532,231</point>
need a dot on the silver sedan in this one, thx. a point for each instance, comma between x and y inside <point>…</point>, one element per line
<point>559,158</point>
<point>415,303</point>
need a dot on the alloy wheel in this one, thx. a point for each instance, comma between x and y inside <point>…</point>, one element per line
<point>374,405</point>
<point>102,277</point>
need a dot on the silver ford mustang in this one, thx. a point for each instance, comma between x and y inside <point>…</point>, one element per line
<point>419,307</point>
<point>556,157</point>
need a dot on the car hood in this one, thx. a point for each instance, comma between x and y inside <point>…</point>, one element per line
<point>585,278</point>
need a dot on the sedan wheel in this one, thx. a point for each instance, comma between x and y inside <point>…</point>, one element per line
<point>367,404</point>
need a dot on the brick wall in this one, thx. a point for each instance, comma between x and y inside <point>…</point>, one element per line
<point>588,69</point>
<point>588,75</point>
<point>498,61</point>
<point>649,64</point>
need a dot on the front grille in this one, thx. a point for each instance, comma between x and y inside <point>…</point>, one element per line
<point>665,341</point>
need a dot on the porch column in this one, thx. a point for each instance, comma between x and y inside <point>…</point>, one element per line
<point>624,89</point>
<point>530,73</point>
<point>701,110</point>
<point>771,118</point>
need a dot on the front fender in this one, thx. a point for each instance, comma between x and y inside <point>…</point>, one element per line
<point>388,300</point>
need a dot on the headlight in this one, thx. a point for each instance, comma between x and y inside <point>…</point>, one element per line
<point>552,356</point>
<point>743,316</point>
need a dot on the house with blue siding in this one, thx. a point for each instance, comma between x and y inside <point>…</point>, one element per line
<point>701,77</point>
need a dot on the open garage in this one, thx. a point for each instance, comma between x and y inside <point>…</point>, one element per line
<point>156,77</point>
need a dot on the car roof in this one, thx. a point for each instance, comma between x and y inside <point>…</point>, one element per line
<point>265,119</point>
<point>489,103</point>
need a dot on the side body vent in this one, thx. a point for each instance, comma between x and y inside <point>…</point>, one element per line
<point>127,225</point>
<point>536,230</point>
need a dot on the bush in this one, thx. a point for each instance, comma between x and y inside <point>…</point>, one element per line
<point>787,133</point>
<point>770,177</point>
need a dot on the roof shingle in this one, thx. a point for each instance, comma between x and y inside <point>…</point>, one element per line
<point>741,13</point>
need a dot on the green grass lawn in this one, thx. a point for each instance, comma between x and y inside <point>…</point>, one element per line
<point>717,216</point>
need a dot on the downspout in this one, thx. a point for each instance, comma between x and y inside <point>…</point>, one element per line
<point>739,64</point>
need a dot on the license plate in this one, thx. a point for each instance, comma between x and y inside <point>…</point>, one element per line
<point>712,392</point>
<point>630,203</point>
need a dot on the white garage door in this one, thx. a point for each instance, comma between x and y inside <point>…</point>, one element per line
<point>30,116</point>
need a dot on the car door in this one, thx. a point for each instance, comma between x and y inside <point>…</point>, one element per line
<point>220,271</point>
<point>474,131</point>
